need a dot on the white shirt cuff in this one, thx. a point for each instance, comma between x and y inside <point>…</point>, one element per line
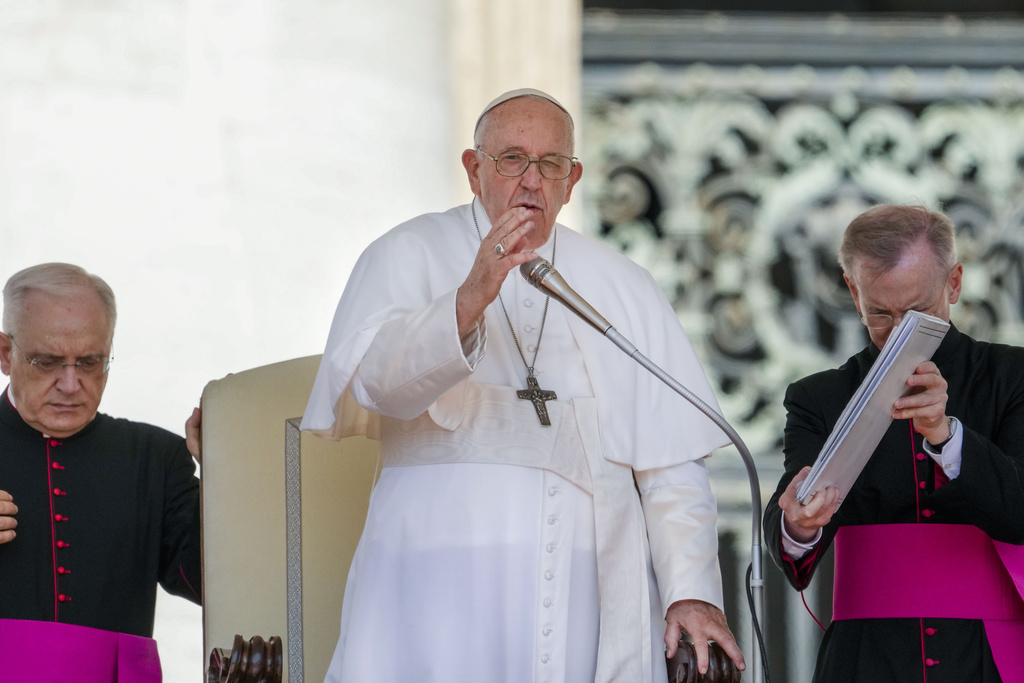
<point>474,343</point>
<point>795,549</point>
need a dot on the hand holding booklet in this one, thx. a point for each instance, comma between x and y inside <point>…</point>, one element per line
<point>869,413</point>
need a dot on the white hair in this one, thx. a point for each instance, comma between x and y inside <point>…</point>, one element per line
<point>56,279</point>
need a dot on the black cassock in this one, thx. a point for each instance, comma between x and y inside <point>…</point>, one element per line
<point>103,516</point>
<point>986,393</point>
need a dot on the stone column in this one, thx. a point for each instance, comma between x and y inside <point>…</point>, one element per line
<point>500,45</point>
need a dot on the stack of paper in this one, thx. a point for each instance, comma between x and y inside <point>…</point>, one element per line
<point>868,414</point>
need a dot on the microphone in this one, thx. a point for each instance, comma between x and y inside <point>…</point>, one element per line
<point>541,274</point>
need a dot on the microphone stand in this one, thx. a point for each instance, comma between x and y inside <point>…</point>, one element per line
<point>757,575</point>
<point>543,276</point>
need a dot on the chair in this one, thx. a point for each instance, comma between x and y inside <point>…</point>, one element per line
<point>282,514</point>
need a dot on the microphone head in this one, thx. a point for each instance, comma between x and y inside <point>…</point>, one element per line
<point>535,271</point>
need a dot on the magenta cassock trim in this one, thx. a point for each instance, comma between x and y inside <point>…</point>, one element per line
<point>945,571</point>
<point>47,651</point>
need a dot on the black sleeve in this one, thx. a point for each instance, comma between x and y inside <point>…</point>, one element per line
<point>806,433</point>
<point>989,492</point>
<point>180,564</point>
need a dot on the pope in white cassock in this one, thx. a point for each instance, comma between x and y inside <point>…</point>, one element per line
<point>543,512</point>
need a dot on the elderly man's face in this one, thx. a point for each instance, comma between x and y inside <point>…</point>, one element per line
<point>917,283</point>
<point>535,127</point>
<point>69,327</point>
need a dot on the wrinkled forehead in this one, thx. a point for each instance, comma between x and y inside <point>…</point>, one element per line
<point>903,287</point>
<point>527,123</point>
<point>913,266</point>
<point>75,313</point>
<point>516,94</point>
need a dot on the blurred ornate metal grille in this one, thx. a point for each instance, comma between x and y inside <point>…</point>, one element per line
<point>732,183</point>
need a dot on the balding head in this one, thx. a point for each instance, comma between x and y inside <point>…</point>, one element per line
<point>481,123</point>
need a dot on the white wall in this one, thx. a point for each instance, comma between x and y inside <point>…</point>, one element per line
<point>221,164</point>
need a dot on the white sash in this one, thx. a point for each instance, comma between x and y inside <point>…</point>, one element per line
<point>492,430</point>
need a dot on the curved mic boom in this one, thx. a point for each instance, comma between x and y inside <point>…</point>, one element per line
<point>542,275</point>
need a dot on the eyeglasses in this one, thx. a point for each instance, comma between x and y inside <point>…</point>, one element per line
<point>51,365</point>
<point>878,321</point>
<point>883,321</point>
<point>514,164</point>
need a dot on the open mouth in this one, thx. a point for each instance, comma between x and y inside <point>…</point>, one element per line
<point>531,207</point>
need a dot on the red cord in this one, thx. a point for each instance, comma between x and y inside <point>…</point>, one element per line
<point>807,607</point>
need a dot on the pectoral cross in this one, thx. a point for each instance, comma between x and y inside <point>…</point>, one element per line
<point>534,393</point>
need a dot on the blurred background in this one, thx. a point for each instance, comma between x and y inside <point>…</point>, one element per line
<point>223,163</point>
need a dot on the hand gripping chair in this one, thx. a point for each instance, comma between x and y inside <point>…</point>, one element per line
<point>282,514</point>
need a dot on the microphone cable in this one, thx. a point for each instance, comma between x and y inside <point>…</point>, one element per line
<point>757,626</point>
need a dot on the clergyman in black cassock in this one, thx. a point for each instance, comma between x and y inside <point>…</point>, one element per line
<point>979,384</point>
<point>95,512</point>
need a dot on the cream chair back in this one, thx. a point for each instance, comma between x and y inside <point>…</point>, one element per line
<point>282,514</point>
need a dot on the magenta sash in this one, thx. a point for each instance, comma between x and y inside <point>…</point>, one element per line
<point>36,651</point>
<point>946,571</point>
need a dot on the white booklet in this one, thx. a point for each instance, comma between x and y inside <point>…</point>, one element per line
<point>869,413</point>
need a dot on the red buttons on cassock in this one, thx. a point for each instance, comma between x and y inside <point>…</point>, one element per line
<point>57,466</point>
<point>62,544</point>
<point>54,442</point>
<point>921,456</point>
<point>931,662</point>
<point>58,492</point>
<point>64,598</point>
<point>922,484</point>
<point>930,631</point>
<point>927,513</point>
<point>61,570</point>
<point>60,518</point>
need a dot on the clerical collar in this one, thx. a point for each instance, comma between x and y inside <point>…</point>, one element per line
<point>10,397</point>
<point>10,414</point>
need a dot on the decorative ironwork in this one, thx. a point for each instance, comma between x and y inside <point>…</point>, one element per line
<point>736,204</point>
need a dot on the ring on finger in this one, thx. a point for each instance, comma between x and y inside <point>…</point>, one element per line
<point>499,249</point>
